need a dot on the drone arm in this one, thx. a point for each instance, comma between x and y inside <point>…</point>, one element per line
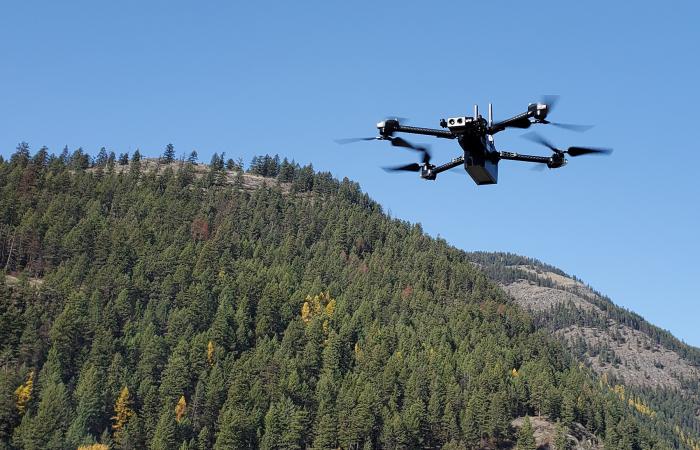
<point>388,127</point>
<point>527,158</point>
<point>519,121</point>
<point>458,161</point>
<point>537,111</point>
<point>426,131</point>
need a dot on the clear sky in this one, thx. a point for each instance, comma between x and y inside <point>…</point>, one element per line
<point>289,77</point>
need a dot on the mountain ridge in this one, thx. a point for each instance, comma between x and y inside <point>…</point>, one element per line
<point>614,342</point>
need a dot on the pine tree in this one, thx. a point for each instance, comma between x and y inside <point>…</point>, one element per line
<point>284,426</point>
<point>84,427</point>
<point>9,414</point>
<point>165,436</point>
<point>176,375</point>
<point>47,429</point>
<point>498,420</point>
<point>169,154</point>
<point>326,433</point>
<point>102,158</point>
<point>526,437</point>
<point>561,441</point>
<point>568,407</point>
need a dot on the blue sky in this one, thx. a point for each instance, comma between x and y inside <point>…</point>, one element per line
<point>285,77</point>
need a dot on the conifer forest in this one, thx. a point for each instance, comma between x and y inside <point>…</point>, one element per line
<point>164,303</point>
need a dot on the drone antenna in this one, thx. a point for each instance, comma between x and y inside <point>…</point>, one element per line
<point>490,115</point>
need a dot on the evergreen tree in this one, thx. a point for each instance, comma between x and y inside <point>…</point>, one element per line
<point>561,441</point>
<point>46,430</point>
<point>88,394</point>
<point>169,154</point>
<point>526,437</point>
<point>165,435</point>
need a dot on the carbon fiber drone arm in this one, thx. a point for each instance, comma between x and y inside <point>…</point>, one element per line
<point>458,161</point>
<point>537,111</point>
<point>527,158</point>
<point>519,121</point>
<point>388,127</point>
<point>425,131</point>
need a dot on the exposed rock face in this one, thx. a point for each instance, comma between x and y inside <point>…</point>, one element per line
<point>248,181</point>
<point>541,298</point>
<point>610,347</point>
<point>545,433</point>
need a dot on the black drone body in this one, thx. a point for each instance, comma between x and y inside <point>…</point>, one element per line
<point>475,136</point>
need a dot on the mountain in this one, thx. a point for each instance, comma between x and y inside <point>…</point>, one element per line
<point>656,372</point>
<point>168,304</point>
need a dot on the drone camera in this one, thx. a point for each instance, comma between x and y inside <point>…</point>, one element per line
<point>457,123</point>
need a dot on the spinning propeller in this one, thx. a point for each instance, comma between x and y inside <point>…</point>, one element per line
<point>396,142</point>
<point>415,167</point>
<point>359,139</point>
<point>571,151</point>
<point>551,102</point>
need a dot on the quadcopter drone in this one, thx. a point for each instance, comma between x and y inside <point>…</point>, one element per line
<point>475,135</point>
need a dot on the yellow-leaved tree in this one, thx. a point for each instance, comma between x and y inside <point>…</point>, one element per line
<point>24,393</point>
<point>180,409</point>
<point>122,413</point>
<point>321,305</point>
<point>306,312</point>
<point>210,353</point>
<point>94,447</point>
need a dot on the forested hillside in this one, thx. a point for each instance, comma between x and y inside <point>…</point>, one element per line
<point>648,366</point>
<point>167,304</point>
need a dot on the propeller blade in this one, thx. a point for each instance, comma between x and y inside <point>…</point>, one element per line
<point>539,167</point>
<point>535,137</point>
<point>572,127</point>
<point>400,119</point>
<point>578,151</point>
<point>351,140</point>
<point>414,167</point>
<point>401,142</point>
<point>551,101</point>
<point>426,155</point>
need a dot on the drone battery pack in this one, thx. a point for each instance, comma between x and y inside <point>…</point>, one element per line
<point>482,171</point>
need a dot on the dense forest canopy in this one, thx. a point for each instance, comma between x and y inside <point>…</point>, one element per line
<point>167,304</point>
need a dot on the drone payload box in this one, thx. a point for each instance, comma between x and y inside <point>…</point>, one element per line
<point>482,170</point>
<point>479,166</point>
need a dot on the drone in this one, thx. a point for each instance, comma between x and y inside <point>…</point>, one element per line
<point>475,136</point>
